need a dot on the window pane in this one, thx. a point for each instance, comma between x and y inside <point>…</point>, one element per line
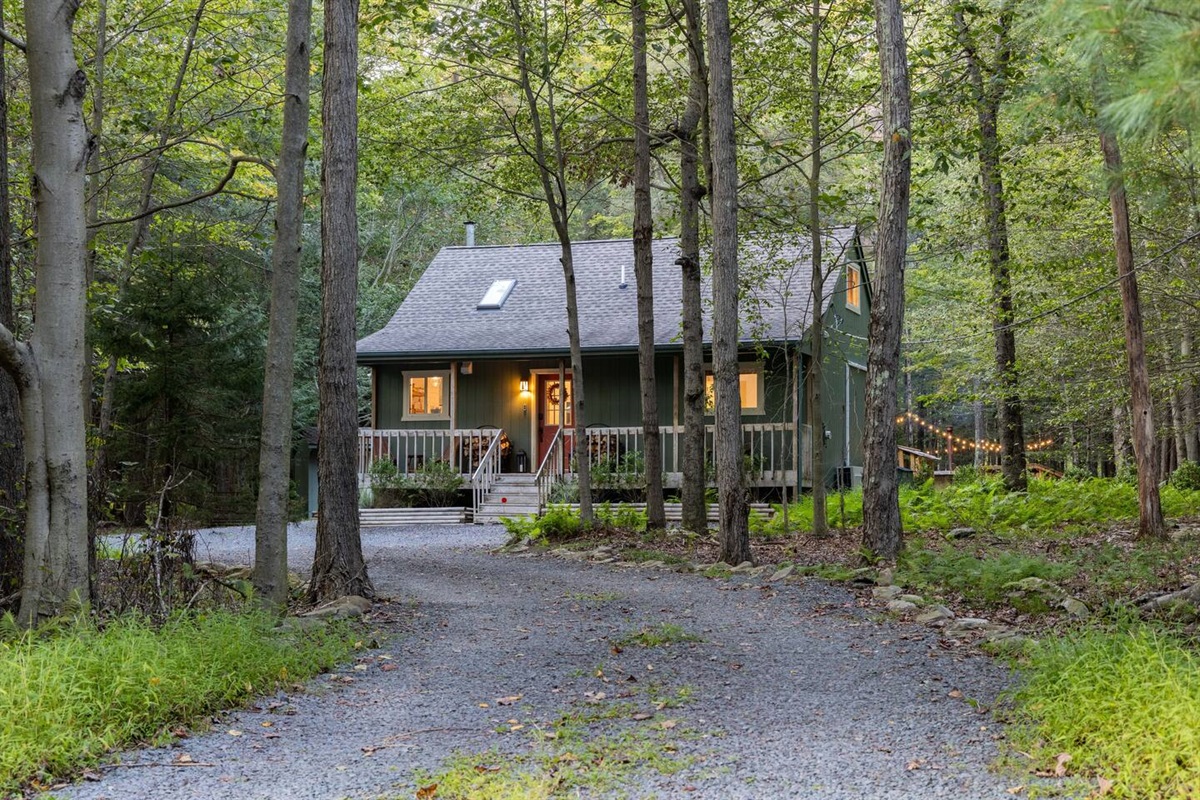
<point>710,394</point>
<point>852,281</point>
<point>416,395</point>
<point>748,385</point>
<point>436,394</point>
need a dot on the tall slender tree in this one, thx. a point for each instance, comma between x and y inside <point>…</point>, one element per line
<point>816,337</point>
<point>643,268</point>
<point>338,565</point>
<point>882,530</point>
<point>275,445</point>
<point>989,81</point>
<point>731,488</point>
<point>691,192</point>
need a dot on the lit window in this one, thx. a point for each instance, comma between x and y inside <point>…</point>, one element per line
<point>425,395</point>
<point>853,287</point>
<point>497,294</point>
<point>750,387</point>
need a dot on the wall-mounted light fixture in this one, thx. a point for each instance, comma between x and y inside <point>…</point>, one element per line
<point>524,385</point>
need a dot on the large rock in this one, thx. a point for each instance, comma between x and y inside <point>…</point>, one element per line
<point>902,607</point>
<point>935,615</point>
<point>915,599</point>
<point>970,625</point>
<point>782,573</point>
<point>346,606</point>
<point>1075,607</point>
<point>886,592</point>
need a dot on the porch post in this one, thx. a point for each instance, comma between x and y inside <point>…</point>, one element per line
<point>453,396</point>
<point>374,397</point>
<point>675,392</point>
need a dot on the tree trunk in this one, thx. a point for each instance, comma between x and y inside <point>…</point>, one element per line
<point>816,371</point>
<point>550,160</point>
<point>1150,518</point>
<point>643,268</point>
<point>731,488</point>
<point>980,424</point>
<point>1177,431</point>
<point>1120,436</point>
<point>694,481</point>
<point>338,567</point>
<point>989,92</point>
<point>882,531</point>
<point>56,565</point>
<point>275,446</point>
<point>12,456</point>
<point>1191,438</point>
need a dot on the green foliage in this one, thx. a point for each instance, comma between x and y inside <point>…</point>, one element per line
<point>68,698</point>
<point>557,523</point>
<point>978,580</point>
<point>434,484</point>
<point>624,516</point>
<point>1122,703</point>
<point>1049,506</point>
<point>967,473</point>
<point>1187,477</point>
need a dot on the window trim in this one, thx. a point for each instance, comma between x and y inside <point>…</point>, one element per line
<point>744,368</point>
<point>407,376</point>
<point>856,306</point>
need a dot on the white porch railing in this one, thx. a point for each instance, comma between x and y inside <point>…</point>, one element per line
<point>464,449</point>
<point>485,474</point>
<point>550,471</point>
<point>768,446</point>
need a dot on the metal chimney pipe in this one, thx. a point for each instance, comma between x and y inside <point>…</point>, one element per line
<point>470,234</point>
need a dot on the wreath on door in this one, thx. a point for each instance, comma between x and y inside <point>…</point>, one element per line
<point>552,393</point>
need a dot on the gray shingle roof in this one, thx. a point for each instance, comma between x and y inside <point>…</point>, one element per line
<point>439,316</point>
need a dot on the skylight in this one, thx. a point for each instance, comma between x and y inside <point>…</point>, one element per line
<point>497,294</point>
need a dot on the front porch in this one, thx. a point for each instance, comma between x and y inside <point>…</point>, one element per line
<point>482,455</point>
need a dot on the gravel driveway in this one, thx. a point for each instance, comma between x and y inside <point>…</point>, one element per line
<point>793,691</point>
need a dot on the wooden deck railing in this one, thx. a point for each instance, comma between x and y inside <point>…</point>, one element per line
<point>464,448</point>
<point>485,474</point>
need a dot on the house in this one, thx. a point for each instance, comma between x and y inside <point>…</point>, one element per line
<point>474,367</point>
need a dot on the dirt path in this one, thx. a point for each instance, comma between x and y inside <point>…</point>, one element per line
<point>792,690</point>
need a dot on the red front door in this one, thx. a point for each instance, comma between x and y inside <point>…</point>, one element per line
<point>552,402</point>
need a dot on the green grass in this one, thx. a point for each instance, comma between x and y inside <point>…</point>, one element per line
<point>1050,506</point>
<point>1123,704</point>
<point>659,635</point>
<point>69,698</point>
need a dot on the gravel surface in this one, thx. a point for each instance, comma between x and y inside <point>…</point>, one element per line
<point>796,691</point>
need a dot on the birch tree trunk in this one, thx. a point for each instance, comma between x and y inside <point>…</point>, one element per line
<point>882,531</point>
<point>275,446</point>
<point>338,566</point>
<point>694,482</point>
<point>56,564</point>
<point>1150,518</point>
<point>643,268</point>
<point>731,489</point>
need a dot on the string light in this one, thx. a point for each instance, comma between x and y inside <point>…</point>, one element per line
<point>960,444</point>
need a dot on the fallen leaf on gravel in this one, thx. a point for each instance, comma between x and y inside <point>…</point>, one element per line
<point>184,758</point>
<point>234,733</point>
<point>484,705</point>
<point>955,693</point>
<point>180,733</point>
<point>268,724</point>
<point>426,792</point>
<point>88,775</point>
<point>641,715</point>
<point>1016,789</point>
<point>567,757</point>
<point>1104,786</point>
<point>360,667</point>
<point>508,701</point>
<point>735,666</point>
<point>916,763</point>
<point>617,649</point>
<point>1060,764</point>
<point>486,768</point>
<point>515,728</point>
<point>667,724</point>
<point>369,750</point>
<point>388,667</point>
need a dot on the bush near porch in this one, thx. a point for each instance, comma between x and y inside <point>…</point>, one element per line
<point>434,485</point>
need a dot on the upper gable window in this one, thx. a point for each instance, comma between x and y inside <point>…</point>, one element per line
<point>497,294</point>
<point>853,288</point>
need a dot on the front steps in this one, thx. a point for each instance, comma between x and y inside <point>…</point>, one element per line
<point>510,496</point>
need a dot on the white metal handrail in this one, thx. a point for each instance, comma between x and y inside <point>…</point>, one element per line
<point>411,448</point>
<point>485,474</point>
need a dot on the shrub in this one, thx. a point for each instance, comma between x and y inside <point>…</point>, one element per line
<point>624,516</point>
<point>556,523</point>
<point>967,473</point>
<point>978,580</point>
<point>1187,476</point>
<point>1123,704</point>
<point>68,698</point>
<point>434,485</point>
